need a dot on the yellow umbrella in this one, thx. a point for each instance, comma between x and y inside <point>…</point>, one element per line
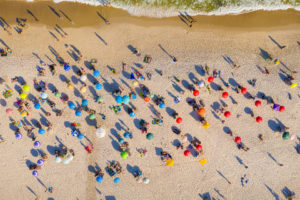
<point>23,113</point>
<point>70,86</point>
<point>203,161</point>
<point>23,95</point>
<point>206,125</point>
<point>83,89</point>
<point>169,162</point>
<point>26,88</point>
<point>294,85</point>
<point>135,83</point>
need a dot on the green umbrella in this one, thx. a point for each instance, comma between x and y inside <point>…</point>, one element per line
<point>124,155</point>
<point>286,135</point>
<point>150,136</point>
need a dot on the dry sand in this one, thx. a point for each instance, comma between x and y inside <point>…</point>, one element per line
<point>238,37</point>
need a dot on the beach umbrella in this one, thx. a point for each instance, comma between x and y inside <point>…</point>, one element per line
<point>257,103</point>
<point>83,78</point>
<point>293,85</point>
<point>187,152</point>
<point>119,99</point>
<point>210,79</point>
<point>67,67</point>
<point>100,99</point>
<point>196,93</point>
<point>23,95</point>
<point>281,108</point>
<point>149,136</point>
<point>78,113</point>
<point>132,114</point>
<point>26,88</point>
<point>225,95</point>
<point>37,144</point>
<point>40,162</point>
<point>201,84</point>
<point>96,73</point>
<point>146,180</point>
<point>84,102</point>
<point>35,173</point>
<point>184,138</point>
<point>135,83</point>
<point>237,139</point>
<point>100,132</point>
<point>124,155</point>
<point>80,136</point>
<point>18,136</point>
<point>151,95</point>
<point>201,112</point>
<point>276,107</point>
<point>132,76</point>
<point>74,132</point>
<point>24,113</point>
<point>178,120</point>
<point>243,90</point>
<point>99,179</point>
<point>121,140</point>
<point>57,159</point>
<point>37,106</point>
<point>92,116</point>
<point>83,89</point>
<point>125,99</point>
<point>9,111</point>
<point>259,119</point>
<point>292,137</point>
<point>206,125</point>
<point>147,99</point>
<point>70,86</point>
<point>162,105</point>
<point>227,114</point>
<point>203,161</point>
<point>44,95</point>
<point>72,106</point>
<point>286,135</point>
<point>117,180</point>
<point>199,147</point>
<point>133,96</point>
<point>126,135</point>
<point>98,86</point>
<point>67,159</point>
<point>42,131</point>
<point>169,162</point>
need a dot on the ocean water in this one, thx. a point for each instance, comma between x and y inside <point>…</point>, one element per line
<point>165,8</point>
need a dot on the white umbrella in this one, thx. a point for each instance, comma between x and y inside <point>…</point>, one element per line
<point>146,180</point>
<point>44,95</point>
<point>83,78</point>
<point>201,84</point>
<point>68,159</point>
<point>57,159</point>
<point>100,132</point>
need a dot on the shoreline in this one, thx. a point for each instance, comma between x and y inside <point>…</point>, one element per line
<point>250,21</point>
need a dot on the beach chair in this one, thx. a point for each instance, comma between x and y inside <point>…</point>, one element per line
<point>147,59</point>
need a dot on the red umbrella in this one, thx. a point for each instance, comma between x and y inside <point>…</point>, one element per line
<point>210,79</point>
<point>257,103</point>
<point>187,152</point>
<point>237,139</point>
<point>281,108</point>
<point>225,94</point>
<point>196,93</point>
<point>243,90</point>
<point>179,120</point>
<point>259,119</point>
<point>227,114</point>
<point>199,147</point>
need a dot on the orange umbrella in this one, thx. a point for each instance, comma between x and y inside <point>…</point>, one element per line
<point>201,112</point>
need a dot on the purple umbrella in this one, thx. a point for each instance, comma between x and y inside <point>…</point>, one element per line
<point>35,173</point>
<point>36,144</point>
<point>40,162</point>
<point>276,107</point>
<point>18,136</point>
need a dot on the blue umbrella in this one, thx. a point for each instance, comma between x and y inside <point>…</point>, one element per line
<point>72,105</point>
<point>18,136</point>
<point>98,86</point>
<point>84,102</point>
<point>133,96</point>
<point>37,106</point>
<point>80,136</point>
<point>40,162</point>
<point>67,67</point>
<point>119,99</point>
<point>126,135</point>
<point>35,173</point>
<point>132,114</point>
<point>126,99</point>
<point>96,73</point>
<point>78,113</point>
<point>117,180</point>
<point>121,140</point>
<point>162,105</point>
<point>99,179</point>
<point>36,144</point>
<point>42,131</point>
<point>132,76</point>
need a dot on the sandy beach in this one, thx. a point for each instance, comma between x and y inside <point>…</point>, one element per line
<point>211,41</point>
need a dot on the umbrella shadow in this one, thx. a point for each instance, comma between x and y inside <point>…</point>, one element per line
<point>34,152</point>
<point>110,198</point>
<point>215,106</point>
<point>91,122</point>
<point>176,142</point>
<point>233,82</point>
<point>170,111</point>
<point>29,163</point>
<point>214,86</point>
<point>272,192</point>
<point>273,125</point>
<point>52,149</point>
<point>3,102</point>
<point>195,115</point>
<point>200,70</point>
<point>247,110</point>
<point>51,87</point>
<point>158,151</point>
<point>62,77</point>
<point>92,169</point>
<point>132,169</point>
<point>205,196</point>
<point>91,78</point>
<point>185,84</point>
<point>115,144</point>
<point>74,79</point>
<point>287,192</point>
<point>176,87</point>
<point>114,133</point>
<point>137,123</point>
<point>226,129</point>
<point>283,77</point>
<point>93,92</point>
<point>264,54</point>
<point>126,74</point>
